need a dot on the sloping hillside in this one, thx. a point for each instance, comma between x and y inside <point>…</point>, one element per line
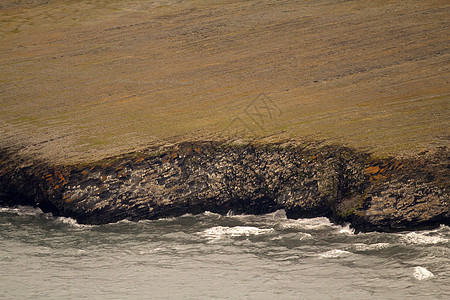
<point>81,80</point>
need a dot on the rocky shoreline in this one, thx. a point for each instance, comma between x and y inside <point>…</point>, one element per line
<point>306,180</point>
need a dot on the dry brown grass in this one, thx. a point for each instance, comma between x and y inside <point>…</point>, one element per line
<point>81,80</point>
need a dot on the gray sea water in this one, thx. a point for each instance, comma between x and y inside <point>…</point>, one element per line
<point>209,256</point>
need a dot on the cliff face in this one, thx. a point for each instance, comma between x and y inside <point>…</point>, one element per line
<point>306,181</point>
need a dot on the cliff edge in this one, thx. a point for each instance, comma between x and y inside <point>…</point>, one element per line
<point>306,180</point>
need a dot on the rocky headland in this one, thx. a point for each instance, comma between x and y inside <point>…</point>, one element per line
<point>89,90</point>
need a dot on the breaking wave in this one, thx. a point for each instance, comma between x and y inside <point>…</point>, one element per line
<point>421,273</point>
<point>218,232</point>
<point>422,238</point>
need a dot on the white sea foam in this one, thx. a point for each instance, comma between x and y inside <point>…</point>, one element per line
<point>218,232</point>
<point>366,247</point>
<point>230,213</point>
<point>347,230</point>
<point>278,215</point>
<point>420,273</point>
<point>213,214</point>
<point>23,210</point>
<point>305,236</point>
<point>309,224</point>
<point>299,236</point>
<point>422,238</point>
<point>124,221</point>
<point>71,222</point>
<point>81,252</point>
<point>444,227</point>
<point>335,253</point>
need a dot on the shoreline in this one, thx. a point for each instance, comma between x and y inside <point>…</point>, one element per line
<point>83,81</point>
<point>306,180</point>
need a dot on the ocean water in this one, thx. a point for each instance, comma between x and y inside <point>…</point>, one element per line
<point>209,256</point>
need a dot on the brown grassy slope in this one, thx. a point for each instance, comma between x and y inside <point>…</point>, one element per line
<point>80,80</point>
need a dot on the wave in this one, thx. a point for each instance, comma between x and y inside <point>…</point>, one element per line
<point>335,253</point>
<point>37,212</point>
<point>444,227</point>
<point>347,230</point>
<point>22,210</point>
<point>421,273</point>
<point>72,223</point>
<point>370,247</point>
<point>277,215</point>
<point>309,224</point>
<point>218,232</point>
<point>316,224</point>
<point>422,238</point>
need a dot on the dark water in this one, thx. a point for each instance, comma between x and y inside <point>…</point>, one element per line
<point>211,256</point>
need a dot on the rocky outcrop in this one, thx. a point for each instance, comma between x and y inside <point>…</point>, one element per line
<point>305,180</point>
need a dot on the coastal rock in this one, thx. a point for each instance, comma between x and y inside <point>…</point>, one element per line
<point>304,180</point>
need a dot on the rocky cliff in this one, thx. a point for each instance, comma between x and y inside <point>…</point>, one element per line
<point>305,180</point>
